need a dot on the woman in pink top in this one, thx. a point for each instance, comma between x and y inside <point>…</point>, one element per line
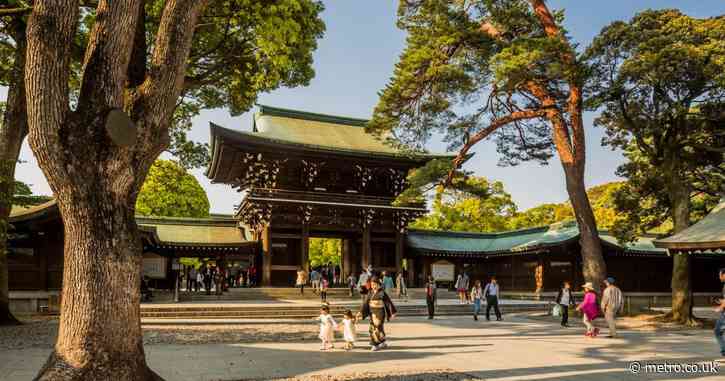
<point>589,309</point>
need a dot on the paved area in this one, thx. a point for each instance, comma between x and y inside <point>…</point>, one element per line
<point>450,348</point>
<point>316,303</point>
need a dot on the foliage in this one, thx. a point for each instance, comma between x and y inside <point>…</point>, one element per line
<point>325,250</point>
<point>659,80</point>
<point>479,206</point>
<point>171,192</point>
<point>24,196</point>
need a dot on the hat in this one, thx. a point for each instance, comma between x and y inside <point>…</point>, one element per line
<point>588,285</point>
<point>610,280</point>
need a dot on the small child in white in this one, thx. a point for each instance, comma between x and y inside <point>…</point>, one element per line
<point>348,323</point>
<point>327,328</point>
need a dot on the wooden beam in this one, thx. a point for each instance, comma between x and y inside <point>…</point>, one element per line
<point>266,256</point>
<point>399,250</point>
<point>305,248</point>
<point>366,249</point>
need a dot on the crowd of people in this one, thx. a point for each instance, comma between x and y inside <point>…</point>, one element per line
<point>210,278</point>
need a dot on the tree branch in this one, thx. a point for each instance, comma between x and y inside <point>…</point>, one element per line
<point>480,135</point>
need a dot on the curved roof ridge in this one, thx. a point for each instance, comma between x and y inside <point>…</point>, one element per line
<point>306,115</point>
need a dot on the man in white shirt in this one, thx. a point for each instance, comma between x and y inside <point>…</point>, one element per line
<point>491,293</point>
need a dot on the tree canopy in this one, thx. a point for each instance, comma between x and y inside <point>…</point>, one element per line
<point>482,207</point>
<point>170,191</point>
<point>659,81</point>
<point>325,250</point>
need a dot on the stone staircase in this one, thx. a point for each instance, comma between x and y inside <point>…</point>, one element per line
<point>288,293</point>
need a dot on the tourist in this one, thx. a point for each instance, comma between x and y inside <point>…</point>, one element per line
<point>315,280</point>
<point>208,277</point>
<point>191,279</point>
<point>301,279</point>
<point>338,275</point>
<point>401,289</point>
<point>349,330</point>
<point>351,283</point>
<point>219,280</point>
<point>461,289</point>
<point>476,298</point>
<point>612,303</point>
<point>324,284</point>
<point>720,323</point>
<point>388,284</point>
<point>199,279</point>
<point>378,307</point>
<point>362,284</point>
<point>145,290</point>
<point>252,275</point>
<point>491,293</point>
<point>564,299</point>
<point>327,328</point>
<point>431,296</point>
<point>589,309</point>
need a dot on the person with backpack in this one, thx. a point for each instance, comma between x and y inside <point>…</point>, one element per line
<point>564,299</point>
<point>612,303</point>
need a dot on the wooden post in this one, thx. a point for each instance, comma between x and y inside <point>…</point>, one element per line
<point>399,247</point>
<point>305,247</point>
<point>266,256</point>
<point>412,279</point>
<point>366,250</point>
<point>347,267</point>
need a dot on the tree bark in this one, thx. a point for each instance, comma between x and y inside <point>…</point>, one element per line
<point>679,195</point>
<point>100,335</point>
<point>13,130</point>
<point>96,180</point>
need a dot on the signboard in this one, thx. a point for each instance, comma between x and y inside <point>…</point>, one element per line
<point>154,266</point>
<point>443,271</point>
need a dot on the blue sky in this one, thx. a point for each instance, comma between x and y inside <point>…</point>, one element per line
<point>355,59</point>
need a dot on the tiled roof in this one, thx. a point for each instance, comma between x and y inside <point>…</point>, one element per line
<point>514,241</point>
<point>707,235</point>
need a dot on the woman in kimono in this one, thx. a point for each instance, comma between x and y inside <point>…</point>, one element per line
<point>378,306</point>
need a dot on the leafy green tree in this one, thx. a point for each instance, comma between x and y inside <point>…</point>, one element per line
<point>170,191</point>
<point>105,97</point>
<point>541,215</point>
<point>503,68</point>
<point>480,206</point>
<point>325,250</point>
<point>659,80</point>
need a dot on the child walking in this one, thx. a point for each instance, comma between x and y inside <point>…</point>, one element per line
<point>327,328</point>
<point>348,330</point>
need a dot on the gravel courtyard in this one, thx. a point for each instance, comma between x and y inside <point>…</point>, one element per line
<point>522,347</point>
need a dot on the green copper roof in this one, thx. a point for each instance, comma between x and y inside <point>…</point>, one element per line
<point>319,132</point>
<point>513,241</point>
<point>706,234</point>
<point>210,231</point>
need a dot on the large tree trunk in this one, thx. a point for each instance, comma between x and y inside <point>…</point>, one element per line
<point>100,335</point>
<point>96,174</point>
<point>13,130</point>
<point>679,195</point>
<point>594,268</point>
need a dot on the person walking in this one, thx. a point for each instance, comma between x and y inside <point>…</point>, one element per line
<point>191,279</point>
<point>219,280</point>
<point>315,280</point>
<point>431,296</point>
<point>351,283</point>
<point>388,284</point>
<point>338,275</point>
<point>301,279</point>
<point>589,309</point>
<point>564,299</point>
<point>461,289</point>
<point>208,277</point>
<point>612,303</point>
<point>324,284</point>
<point>720,323</point>
<point>491,293</point>
<point>362,284</point>
<point>199,280</point>
<point>327,329</point>
<point>476,298</point>
<point>401,289</point>
<point>379,308</point>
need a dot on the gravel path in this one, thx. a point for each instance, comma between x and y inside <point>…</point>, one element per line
<point>427,375</point>
<point>41,332</point>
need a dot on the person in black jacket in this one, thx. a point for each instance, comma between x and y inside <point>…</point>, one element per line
<point>565,298</point>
